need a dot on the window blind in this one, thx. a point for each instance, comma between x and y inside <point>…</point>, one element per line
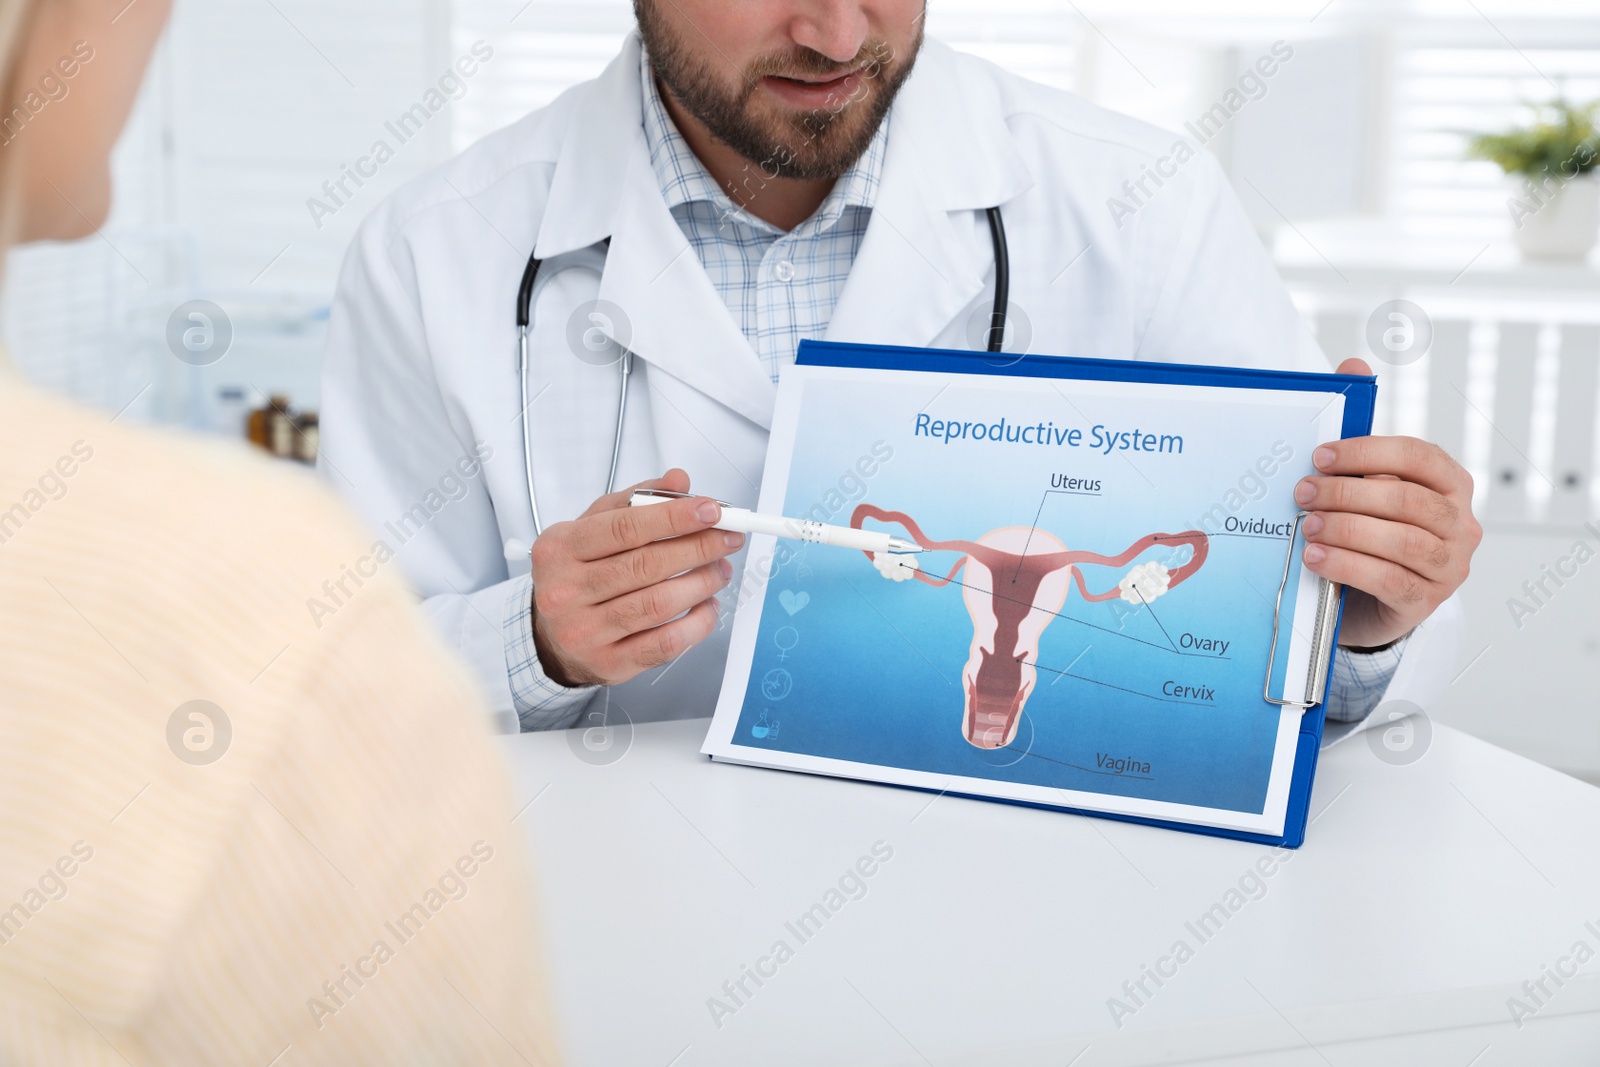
<point>251,109</point>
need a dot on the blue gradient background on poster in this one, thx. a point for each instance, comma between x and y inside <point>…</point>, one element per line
<point>870,670</point>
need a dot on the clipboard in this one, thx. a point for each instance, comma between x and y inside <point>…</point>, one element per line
<point>826,395</point>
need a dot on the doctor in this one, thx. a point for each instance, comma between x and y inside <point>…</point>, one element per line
<point>739,178</point>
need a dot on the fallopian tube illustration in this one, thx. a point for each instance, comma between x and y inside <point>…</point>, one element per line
<point>1017,580</point>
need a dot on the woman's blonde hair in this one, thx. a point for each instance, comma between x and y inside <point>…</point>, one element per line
<point>16,16</point>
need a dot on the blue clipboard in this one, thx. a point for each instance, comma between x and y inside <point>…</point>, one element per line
<point>1359,398</point>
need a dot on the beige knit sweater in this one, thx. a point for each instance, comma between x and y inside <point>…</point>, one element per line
<point>344,884</point>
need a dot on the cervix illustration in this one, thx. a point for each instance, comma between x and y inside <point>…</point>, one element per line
<point>1017,580</point>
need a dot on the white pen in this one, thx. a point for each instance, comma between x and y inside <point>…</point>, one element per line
<point>742,520</point>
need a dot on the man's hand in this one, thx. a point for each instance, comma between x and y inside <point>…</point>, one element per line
<point>608,587</point>
<point>1391,519</point>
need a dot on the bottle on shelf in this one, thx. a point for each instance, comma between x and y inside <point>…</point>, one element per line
<point>307,437</point>
<point>280,427</point>
<point>255,427</point>
<point>280,430</point>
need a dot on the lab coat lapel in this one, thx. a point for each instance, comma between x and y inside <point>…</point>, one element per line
<point>604,186</point>
<point>680,323</point>
<point>923,261</point>
<point>586,188</point>
<point>912,274</point>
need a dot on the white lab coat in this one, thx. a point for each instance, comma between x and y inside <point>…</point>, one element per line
<point>421,364</point>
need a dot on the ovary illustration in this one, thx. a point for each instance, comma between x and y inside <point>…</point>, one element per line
<point>1017,580</point>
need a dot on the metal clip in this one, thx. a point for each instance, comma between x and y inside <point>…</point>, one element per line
<point>1321,637</point>
<point>657,496</point>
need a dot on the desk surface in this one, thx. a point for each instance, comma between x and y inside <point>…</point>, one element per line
<point>1426,894</point>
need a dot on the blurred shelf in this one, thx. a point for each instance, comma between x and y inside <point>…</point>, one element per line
<point>1372,256</point>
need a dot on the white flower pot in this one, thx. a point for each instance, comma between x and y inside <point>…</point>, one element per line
<point>1564,226</point>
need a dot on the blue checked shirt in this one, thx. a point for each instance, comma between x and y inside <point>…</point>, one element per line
<point>1359,680</point>
<point>781,288</point>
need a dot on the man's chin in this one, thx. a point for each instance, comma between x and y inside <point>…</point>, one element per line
<point>801,150</point>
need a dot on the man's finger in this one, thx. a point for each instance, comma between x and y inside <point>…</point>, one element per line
<point>645,609</point>
<point>668,641</point>
<point>1403,591</point>
<point>1409,458</point>
<point>625,528</point>
<point>1397,501</point>
<point>1411,547</point>
<point>675,480</point>
<point>655,562</point>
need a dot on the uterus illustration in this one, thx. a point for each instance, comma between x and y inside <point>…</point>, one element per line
<point>1017,579</point>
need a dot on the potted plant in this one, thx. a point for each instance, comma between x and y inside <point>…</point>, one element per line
<point>1555,210</point>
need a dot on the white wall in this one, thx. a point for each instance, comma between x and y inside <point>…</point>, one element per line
<point>247,111</point>
<point>1527,687</point>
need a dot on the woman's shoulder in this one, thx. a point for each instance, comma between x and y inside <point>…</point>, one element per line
<point>213,533</point>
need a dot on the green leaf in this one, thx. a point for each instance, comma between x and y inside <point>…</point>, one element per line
<point>1562,141</point>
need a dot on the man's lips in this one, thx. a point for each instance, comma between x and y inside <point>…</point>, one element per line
<point>810,93</point>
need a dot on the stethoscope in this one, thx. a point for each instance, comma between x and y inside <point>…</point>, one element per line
<point>530,275</point>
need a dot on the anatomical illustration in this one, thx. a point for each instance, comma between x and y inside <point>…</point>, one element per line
<point>1017,580</point>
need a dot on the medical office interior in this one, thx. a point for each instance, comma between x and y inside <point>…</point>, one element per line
<point>1392,157</point>
<point>266,131</point>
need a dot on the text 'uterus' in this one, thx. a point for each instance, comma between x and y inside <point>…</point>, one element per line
<point>1017,580</point>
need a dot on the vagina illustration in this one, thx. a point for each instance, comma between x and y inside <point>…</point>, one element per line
<point>1017,579</point>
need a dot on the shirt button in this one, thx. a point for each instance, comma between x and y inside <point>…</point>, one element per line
<point>784,271</point>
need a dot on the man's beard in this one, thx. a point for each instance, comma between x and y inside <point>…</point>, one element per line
<point>808,145</point>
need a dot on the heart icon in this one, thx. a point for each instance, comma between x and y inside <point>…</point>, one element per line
<point>793,602</point>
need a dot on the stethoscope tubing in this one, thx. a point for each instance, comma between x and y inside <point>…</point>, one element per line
<point>525,294</point>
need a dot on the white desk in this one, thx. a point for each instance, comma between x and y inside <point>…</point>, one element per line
<point>1425,896</point>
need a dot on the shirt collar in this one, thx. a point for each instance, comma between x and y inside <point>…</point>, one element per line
<point>684,179</point>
